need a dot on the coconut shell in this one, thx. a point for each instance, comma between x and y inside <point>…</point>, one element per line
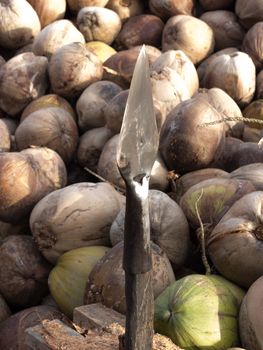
<point>92,104</point>
<point>12,330</point>
<point>51,127</point>
<point>23,273</point>
<point>168,225</point>
<point>239,235</point>
<point>251,318</point>
<point>22,79</point>
<point>106,282</point>
<point>77,216</point>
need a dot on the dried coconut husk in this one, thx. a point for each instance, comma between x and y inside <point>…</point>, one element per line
<point>251,317</point>
<point>76,216</point>
<point>5,137</point>
<point>189,34</point>
<point>50,127</point>
<point>236,243</point>
<point>202,67</point>
<point>98,23</point>
<point>181,185</point>
<point>235,73</point>
<point>168,225</point>
<point>106,281</point>
<point>213,198</point>
<point>12,330</point>
<point>19,23</point>
<point>227,108</point>
<point>227,30</point>
<point>171,7</point>
<point>50,100</point>
<point>251,172</point>
<point>178,61</point>
<point>93,103</point>
<point>126,8</point>
<point>90,146</point>
<point>108,169</point>
<point>210,5</point>
<point>249,12</point>
<point>23,273</point>
<point>49,11</point>
<point>141,29</point>
<point>22,79</point>
<point>73,68</point>
<point>25,178</point>
<point>253,44</point>
<point>54,36</point>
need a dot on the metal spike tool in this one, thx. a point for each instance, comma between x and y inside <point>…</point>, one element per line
<point>136,154</point>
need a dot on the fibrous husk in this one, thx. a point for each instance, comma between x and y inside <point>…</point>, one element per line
<point>106,281</point>
<point>171,7</point>
<point>76,216</point>
<point>168,225</point>
<point>198,312</point>
<point>98,23</point>
<point>227,30</point>
<point>141,29</point>
<point>49,11</point>
<point>235,73</point>
<point>210,199</point>
<point>5,137</point>
<point>92,104</point>
<point>90,146</point>
<point>249,12</point>
<point>51,127</point>
<point>23,272</point>
<point>185,144</point>
<point>126,9</point>
<point>25,178</point>
<point>253,44</point>
<point>192,178</point>
<point>189,34</point>
<point>19,23</point>
<point>177,60</point>
<point>251,317</point>
<point>49,100</point>
<point>72,69</point>
<point>67,280</point>
<point>54,36</point>
<point>239,235</point>
<point>12,330</point>
<point>22,79</point>
<point>108,169</point>
<point>227,108</point>
<point>251,172</point>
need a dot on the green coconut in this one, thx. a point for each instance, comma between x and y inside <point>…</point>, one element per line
<point>200,312</point>
<point>68,278</point>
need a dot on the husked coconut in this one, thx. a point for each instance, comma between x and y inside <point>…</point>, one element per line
<point>235,73</point>
<point>19,23</point>
<point>92,104</point>
<point>72,69</point>
<point>54,36</point>
<point>98,23</point>
<point>22,79</point>
<point>189,34</point>
<point>76,216</point>
<point>106,281</point>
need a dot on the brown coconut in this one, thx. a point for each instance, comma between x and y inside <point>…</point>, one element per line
<point>249,12</point>
<point>251,172</point>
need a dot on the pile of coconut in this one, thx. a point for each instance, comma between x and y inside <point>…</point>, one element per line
<point>65,73</point>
